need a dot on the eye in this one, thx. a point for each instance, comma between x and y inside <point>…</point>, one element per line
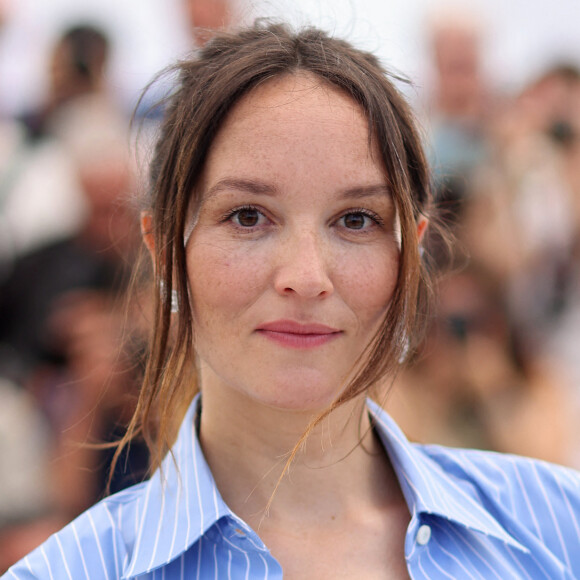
<point>246,217</point>
<point>359,220</point>
<point>354,221</point>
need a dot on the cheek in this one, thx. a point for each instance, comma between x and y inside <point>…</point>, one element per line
<point>223,280</point>
<point>369,281</point>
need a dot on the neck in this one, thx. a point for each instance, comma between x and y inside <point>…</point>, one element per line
<point>340,465</point>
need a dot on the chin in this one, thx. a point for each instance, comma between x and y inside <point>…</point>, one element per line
<point>300,392</point>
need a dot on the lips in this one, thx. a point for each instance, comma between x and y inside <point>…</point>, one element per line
<point>297,335</point>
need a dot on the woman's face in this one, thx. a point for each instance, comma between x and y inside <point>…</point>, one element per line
<point>293,258</point>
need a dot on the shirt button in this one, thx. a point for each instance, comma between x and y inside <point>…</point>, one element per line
<point>240,533</point>
<point>423,535</point>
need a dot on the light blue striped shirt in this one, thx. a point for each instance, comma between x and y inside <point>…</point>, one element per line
<point>473,515</point>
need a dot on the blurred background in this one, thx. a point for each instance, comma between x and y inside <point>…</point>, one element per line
<point>496,87</point>
<point>521,37</point>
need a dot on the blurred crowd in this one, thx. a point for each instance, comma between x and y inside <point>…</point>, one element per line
<point>498,368</point>
<point>71,344</point>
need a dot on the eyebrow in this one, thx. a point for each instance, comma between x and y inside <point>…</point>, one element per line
<point>367,191</point>
<point>247,185</point>
<point>261,188</point>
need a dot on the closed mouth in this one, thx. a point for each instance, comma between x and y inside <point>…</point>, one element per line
<point>298,335</point>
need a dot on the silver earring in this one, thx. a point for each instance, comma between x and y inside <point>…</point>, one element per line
<point>174,298</point>
<point>174,302</point>
<point>405,350</point>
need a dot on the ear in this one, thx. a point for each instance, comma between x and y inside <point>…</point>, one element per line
<point>147,233</point>
<point>422,228</point>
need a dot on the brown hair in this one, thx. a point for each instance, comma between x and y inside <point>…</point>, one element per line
<point>209,84</point>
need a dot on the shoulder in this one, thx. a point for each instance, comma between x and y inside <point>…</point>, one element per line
<point>95,545</point>
<point>504,476</point>
<point>532,499</point>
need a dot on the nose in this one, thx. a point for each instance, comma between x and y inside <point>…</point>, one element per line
<point>304,266</point>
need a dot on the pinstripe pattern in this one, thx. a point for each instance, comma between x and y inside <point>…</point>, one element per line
<point>490,516</point>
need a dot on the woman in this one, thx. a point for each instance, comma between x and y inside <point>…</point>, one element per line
<point>289,198</point>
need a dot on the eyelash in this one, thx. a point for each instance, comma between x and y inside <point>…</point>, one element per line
<point>359,210</point>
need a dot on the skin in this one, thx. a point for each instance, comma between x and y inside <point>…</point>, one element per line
<point>297,154</point>
<point>314,243</point>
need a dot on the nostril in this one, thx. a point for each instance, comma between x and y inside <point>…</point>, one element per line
<point>305,284</point>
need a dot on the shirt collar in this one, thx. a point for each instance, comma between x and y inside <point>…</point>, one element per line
<point>181,500</point>
<point>179,503</point>
<point>428,488</point>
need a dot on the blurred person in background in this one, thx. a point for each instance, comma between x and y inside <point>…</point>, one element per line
<point>62,322</point>
<point>459,104</point>
<point>502,350</point>
<point>77,67</point>
<point>476,382</point>
<point>41,199</point>
<point>205,16</point>
<point>563,128</point>
<point>24,451</point>
<point>523,222</point>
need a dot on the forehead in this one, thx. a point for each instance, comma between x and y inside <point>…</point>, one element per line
<point>295,98</point>
<point>295,122</point>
